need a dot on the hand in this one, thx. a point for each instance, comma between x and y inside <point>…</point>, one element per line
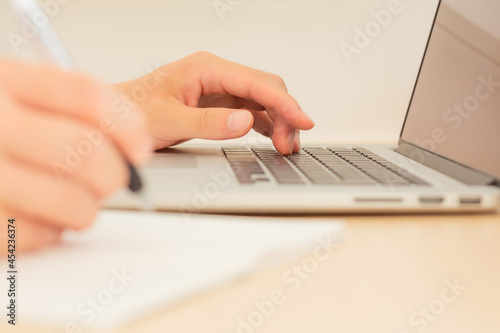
<point>63,138</point>
<point>204,96</point>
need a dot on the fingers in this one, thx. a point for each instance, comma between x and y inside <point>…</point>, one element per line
<point>265,89</point>
<point>227,101</point>
<point>250,105</point>
<point>285,139</point>
<point>217,123</point>
<point>184,123</point>
<point>226,83</point>
<point>69,149</point>
<point>75,95</point>
<point>30,234</point>
<point>263,124</point>
<point>223,124</point>
<point>41,195</point>
<point>56,90</point>
<point>296,142</point>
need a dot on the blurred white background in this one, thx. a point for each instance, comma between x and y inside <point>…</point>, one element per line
<point>362,100</point>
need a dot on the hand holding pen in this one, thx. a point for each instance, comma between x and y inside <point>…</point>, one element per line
<point>46,113</point>
<point>50,47</point>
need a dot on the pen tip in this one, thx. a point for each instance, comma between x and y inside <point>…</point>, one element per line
<point>135,183</point>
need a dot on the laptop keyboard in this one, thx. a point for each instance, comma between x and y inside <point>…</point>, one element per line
<point>317,166</point>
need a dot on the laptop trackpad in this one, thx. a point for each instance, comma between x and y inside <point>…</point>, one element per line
<point>173,161</point>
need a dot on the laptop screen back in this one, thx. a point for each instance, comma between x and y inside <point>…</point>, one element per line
<point>455,109</point>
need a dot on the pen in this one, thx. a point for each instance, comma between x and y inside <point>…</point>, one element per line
<point>52,49</point>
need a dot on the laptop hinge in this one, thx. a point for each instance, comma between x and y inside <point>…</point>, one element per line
<point>445,166</point>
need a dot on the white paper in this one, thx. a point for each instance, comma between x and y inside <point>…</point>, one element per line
<point>84,281</point>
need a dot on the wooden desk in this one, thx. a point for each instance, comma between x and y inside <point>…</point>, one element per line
<point>388,268</point>
<point>388,271</point>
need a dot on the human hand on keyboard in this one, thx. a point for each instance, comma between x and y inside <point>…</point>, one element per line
<point>206,97</point>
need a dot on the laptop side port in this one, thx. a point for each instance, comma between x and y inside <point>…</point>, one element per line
<point>432,200</point>
<point>469,201</point>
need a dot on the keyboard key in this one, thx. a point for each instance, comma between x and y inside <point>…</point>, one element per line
<point>313,169</point>
<point>412,179</point>
<point>245,165</point>
<point>321,166</point>
<point>346,173</point>
<point>278,166</point>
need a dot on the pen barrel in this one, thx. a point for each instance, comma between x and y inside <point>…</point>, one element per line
<point>48,43</point>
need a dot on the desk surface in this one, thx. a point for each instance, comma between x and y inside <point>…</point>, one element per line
<point>392,274</point>
<point>397,274</point>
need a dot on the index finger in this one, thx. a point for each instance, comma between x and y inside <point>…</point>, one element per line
<point>264,88</point>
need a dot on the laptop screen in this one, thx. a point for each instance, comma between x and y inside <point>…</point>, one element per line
<point>455,109</point>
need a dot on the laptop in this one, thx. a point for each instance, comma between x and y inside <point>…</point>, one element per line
<point>447,158</point>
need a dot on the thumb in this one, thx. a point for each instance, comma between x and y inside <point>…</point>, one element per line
<point>213,123</point>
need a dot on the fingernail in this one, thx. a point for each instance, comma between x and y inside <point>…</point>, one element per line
<point>239,121</point>
<point>290,139</point>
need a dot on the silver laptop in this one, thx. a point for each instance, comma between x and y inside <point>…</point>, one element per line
<point>447,159</point>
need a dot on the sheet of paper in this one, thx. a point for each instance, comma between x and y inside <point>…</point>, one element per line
<point>129,264</point>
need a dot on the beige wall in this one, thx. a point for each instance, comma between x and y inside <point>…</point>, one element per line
<point>365,99</point>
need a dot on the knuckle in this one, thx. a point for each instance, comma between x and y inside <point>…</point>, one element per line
<point>275,78</point>
<point>278,79</point>
<point>203,55</point>
<point>202,121</point>
<point>207,121</point>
